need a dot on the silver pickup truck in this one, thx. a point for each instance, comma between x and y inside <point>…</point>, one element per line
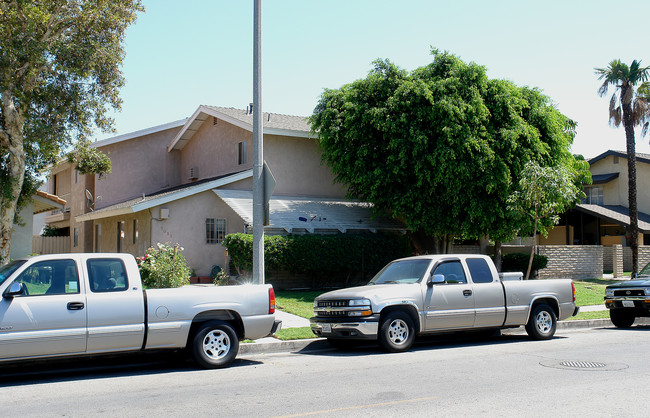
<point>436,294</point>
<point>87,304</point>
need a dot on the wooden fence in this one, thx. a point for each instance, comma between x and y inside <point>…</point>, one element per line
<point>50,245</point>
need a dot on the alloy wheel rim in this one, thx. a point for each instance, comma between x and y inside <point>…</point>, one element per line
<point>216,344</point>
<point>398,332</point>
<point>544,322</point>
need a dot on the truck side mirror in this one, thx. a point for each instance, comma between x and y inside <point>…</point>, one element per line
<point>436,279</point>
<point>14,290</point>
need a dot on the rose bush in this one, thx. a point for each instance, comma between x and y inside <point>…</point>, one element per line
<point>164,266</point>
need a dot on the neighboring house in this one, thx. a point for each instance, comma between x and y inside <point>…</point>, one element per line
<point>603,215</point>
<point>21,237</point>
<point>190,182</point>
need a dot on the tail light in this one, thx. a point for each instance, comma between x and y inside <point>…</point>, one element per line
<point>573,289</point>
<point>272,300</point>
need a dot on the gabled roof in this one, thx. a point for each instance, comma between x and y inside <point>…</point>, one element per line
<point>274,123</point>
<point>139,133</point>
<point>644,158</point>
<point>616,214</point>
<point>163,196</point>
<point>44,202</point>
<point>310,213</point>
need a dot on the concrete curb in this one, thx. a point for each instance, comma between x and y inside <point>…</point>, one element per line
<point>319,344</point>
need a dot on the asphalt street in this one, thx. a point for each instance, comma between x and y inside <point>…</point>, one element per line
<point>584,372</point>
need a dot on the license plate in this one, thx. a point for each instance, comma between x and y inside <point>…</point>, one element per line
<point>326,328</point>
<point>628,304</point>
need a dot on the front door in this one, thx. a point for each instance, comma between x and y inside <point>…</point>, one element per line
<point>449,305</point>
<point>50,317</point>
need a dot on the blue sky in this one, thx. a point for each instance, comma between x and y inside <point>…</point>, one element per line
<point>180,55</point>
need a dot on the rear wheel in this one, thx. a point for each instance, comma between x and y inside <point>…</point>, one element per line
<point>542,323</point>
<point>622,318</point>
<point>396,332</point>
<point>215,345</point>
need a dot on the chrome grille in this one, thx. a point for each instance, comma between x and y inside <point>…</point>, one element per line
<point>332,303</point>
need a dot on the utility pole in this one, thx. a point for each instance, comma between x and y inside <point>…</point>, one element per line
<point>258,148</point>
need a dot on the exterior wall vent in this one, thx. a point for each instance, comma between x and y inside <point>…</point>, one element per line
<point>214,120</point>
<point>164,213</point>
<point>194,173</point>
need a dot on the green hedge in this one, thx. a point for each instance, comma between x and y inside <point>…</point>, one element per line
<point>340,254</point>
<point>519,262</point>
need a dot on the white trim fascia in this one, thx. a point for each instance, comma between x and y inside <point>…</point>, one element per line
<point>91,216</point>
<point>190,191</point>
<point>181,194</point>
<point>141,132</point>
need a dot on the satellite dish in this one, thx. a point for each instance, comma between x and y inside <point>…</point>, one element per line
<point>90,201</point>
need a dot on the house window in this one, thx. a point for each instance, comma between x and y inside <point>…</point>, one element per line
<point>136,233</point>
<point>215,230</point>
<point>98,238</point>
<point>120,236</point>
<point>242,152</point>
<point>594,195</point>
<point>75,238</point>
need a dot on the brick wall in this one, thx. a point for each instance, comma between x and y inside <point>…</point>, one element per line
<point>572,261</point>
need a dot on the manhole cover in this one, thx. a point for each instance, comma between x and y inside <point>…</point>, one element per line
<point>583,365</point>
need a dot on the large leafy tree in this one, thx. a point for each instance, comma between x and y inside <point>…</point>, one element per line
<point>440,147</point>
<point>628,106</point>
<point>59,74</point>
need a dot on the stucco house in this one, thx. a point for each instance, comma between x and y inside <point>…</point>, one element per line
<point>21,237</point>
<point>190,182</point>
<point>602,217</point>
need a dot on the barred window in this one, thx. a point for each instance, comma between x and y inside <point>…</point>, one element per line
<point>215,230</point>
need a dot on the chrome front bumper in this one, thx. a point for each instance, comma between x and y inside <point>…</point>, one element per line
<point>363,330</point>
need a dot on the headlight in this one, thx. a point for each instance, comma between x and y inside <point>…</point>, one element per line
<point>609,292</point>
<point>647,291</point>
<point>359,302</point>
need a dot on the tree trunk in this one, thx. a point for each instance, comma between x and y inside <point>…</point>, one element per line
<point>532,251</point>
<point>633,229</point>
<point>12,140</point>
<point>498,255</point>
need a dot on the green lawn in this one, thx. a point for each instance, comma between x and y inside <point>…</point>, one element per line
<point>591,292</point>
<point>297,302</point>
<point>590,315</point>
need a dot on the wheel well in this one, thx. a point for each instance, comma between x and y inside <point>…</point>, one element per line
<point>548,301</point>
<point>230,317</point>
<point>410,310</point>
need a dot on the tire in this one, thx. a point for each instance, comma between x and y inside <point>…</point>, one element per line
<point>396,332</point>
<point>622,318</point>
<point>215,345</point>
<point>542,323</point>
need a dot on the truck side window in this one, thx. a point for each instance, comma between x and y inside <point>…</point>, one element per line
<point>453,272</point>
<point>107,275</point>
<point>479,270</point>
<point>51,277</point>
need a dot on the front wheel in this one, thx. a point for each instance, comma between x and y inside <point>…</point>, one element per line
<point>396,332</point>
<point>542,323</point>
<point>622,318</point>
<point>215,345</point>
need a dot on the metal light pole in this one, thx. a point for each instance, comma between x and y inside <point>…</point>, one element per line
<point>258,148</point>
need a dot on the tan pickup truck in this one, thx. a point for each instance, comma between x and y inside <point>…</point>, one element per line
<point>440,293</point>
<point>88,304</point>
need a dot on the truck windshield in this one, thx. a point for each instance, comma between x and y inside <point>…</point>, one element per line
<point>645,271</point>
<point>401,272</point>
<point>8,269</point>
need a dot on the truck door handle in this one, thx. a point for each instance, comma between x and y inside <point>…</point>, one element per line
<point>75,306</point>
<point>467,292</point>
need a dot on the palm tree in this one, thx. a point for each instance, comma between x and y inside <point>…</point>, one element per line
<point>629,106</point>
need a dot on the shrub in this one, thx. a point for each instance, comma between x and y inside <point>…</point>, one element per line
<point>320,255</point>
<point>164,266</point>
<point>53,231</point>
<point>519,262</point>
